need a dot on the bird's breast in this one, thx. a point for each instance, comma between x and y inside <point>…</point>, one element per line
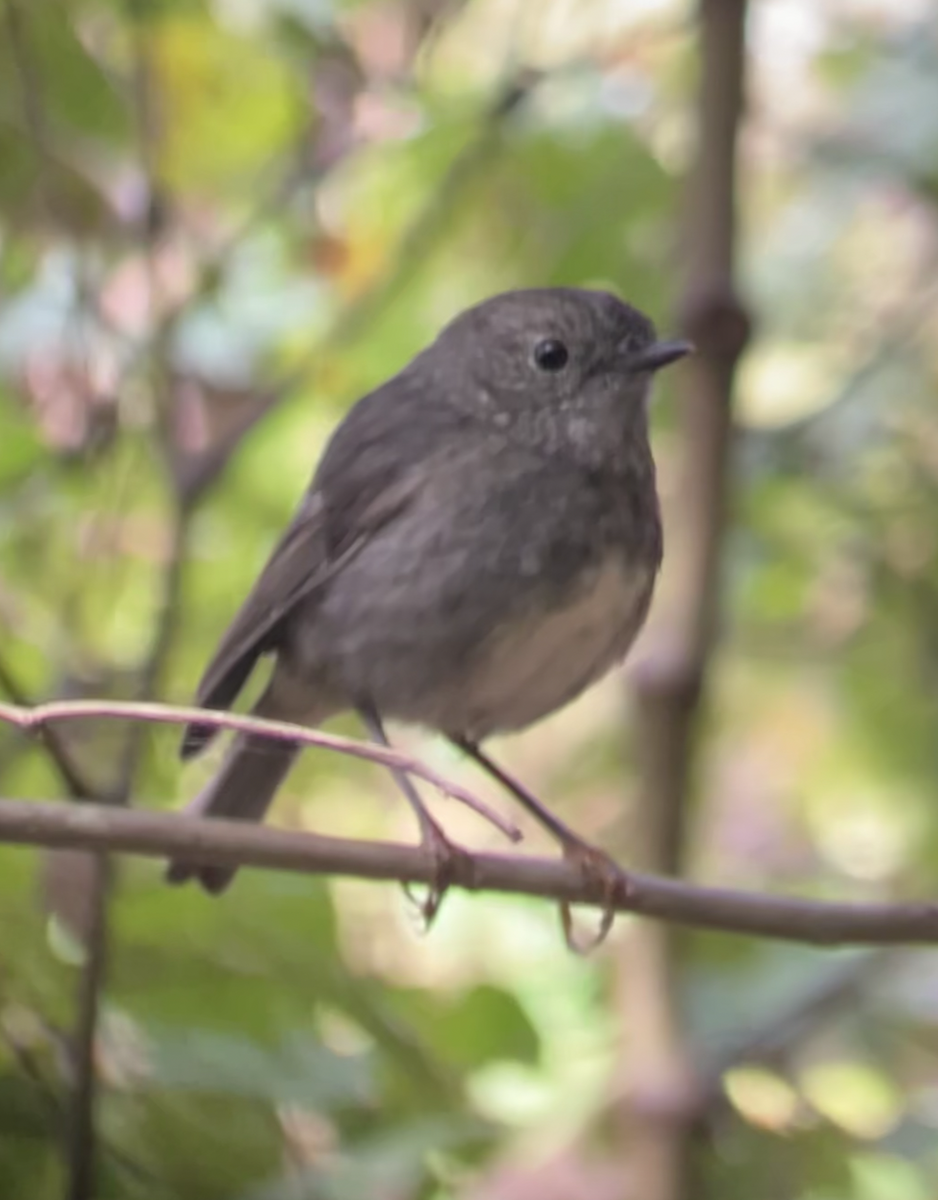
<point>542,659</point>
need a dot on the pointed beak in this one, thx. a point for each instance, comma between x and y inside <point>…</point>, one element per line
<point>660,354</point>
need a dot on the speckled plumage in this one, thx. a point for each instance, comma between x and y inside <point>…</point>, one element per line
<point>478,545</point>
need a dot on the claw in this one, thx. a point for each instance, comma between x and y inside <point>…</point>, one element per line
<point>442,854</point>
<point>599,870</point>
<point>440,850</point>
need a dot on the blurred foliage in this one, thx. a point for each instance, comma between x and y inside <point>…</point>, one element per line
<point>220,222</point>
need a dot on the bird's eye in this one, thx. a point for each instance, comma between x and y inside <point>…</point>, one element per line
<point>551,355</point>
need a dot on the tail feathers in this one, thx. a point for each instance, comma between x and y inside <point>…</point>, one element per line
<point>243,789</point>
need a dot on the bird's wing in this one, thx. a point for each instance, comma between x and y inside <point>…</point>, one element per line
<point>374,466</point>
<point>300,564</point>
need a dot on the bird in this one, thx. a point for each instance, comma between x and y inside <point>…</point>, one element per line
<point>478,545</point>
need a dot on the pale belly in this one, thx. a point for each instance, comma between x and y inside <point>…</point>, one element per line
<point>531,668</point>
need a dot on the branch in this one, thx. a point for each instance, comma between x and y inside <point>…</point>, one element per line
<point>31,101</point>
<point>783,1031</point>
<point>82,1138</point>
<point>41,715</point>
<point>164,630</point>
<point>416,243</point>
<point>54,1111</point>
<point>78,787</point>
<point>233,843</point>
<point>104,828</point>
<point>77,1126</point>
<point>660,1083</point>
<point>420,237</point>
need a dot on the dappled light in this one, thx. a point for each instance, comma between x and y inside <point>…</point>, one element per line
<point>221,224</point>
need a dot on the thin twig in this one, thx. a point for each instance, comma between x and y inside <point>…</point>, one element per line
<point>74,781</point>
<point>420,237</point>
<point>770,1039</point>
<point>48,1098</point>
<point>31,100</point>
<point>166,714</point>
<point>233,843</point>
<point>164,630</point>
<point>415,245</point>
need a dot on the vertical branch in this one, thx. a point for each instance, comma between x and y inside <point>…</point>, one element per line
<point>661,1090</point>
<point>83,1135</point>
<point>79,1127</point>
<point>165,623</point>
<point>31,101</point>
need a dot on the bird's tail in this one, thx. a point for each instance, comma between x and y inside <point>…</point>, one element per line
<point>252,770</point>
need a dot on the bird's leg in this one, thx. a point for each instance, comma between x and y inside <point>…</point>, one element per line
<point>440,849</point>
<point>596,864</point>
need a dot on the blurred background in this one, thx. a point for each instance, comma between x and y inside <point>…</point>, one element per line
<point>220,223</point>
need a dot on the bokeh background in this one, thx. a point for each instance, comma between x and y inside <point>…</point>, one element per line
<point>220,223</point>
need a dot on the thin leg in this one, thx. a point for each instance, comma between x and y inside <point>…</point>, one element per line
<point>541,813</point>
<point>432,837</point>
<point>595,863</point>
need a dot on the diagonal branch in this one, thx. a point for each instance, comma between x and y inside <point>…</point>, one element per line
<point>41,719</point>
<point>41,715</point>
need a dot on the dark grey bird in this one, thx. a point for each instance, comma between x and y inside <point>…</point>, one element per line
<point>479,544</point>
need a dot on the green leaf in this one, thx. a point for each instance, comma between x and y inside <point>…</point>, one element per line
<point>229,103</point>
<point>192,1144</point>
<point>20,447</point>
<point>486,1024</point>
<point>298,1071</point>
<point>393,1163</point>
<point>74,93</point>
<point>249,966</point>
<point>24,1110</point>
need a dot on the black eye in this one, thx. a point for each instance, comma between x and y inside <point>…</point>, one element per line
<point>551,355</point>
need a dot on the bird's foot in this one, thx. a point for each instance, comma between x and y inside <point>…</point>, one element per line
<point>600,872</point>
<point>443,855</point>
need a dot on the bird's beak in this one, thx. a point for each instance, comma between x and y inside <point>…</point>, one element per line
<point>660,354</point>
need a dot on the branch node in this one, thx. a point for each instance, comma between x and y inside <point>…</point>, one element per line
<point>717,322</point>
<point>669,678</point>
<point>676,1099</point>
